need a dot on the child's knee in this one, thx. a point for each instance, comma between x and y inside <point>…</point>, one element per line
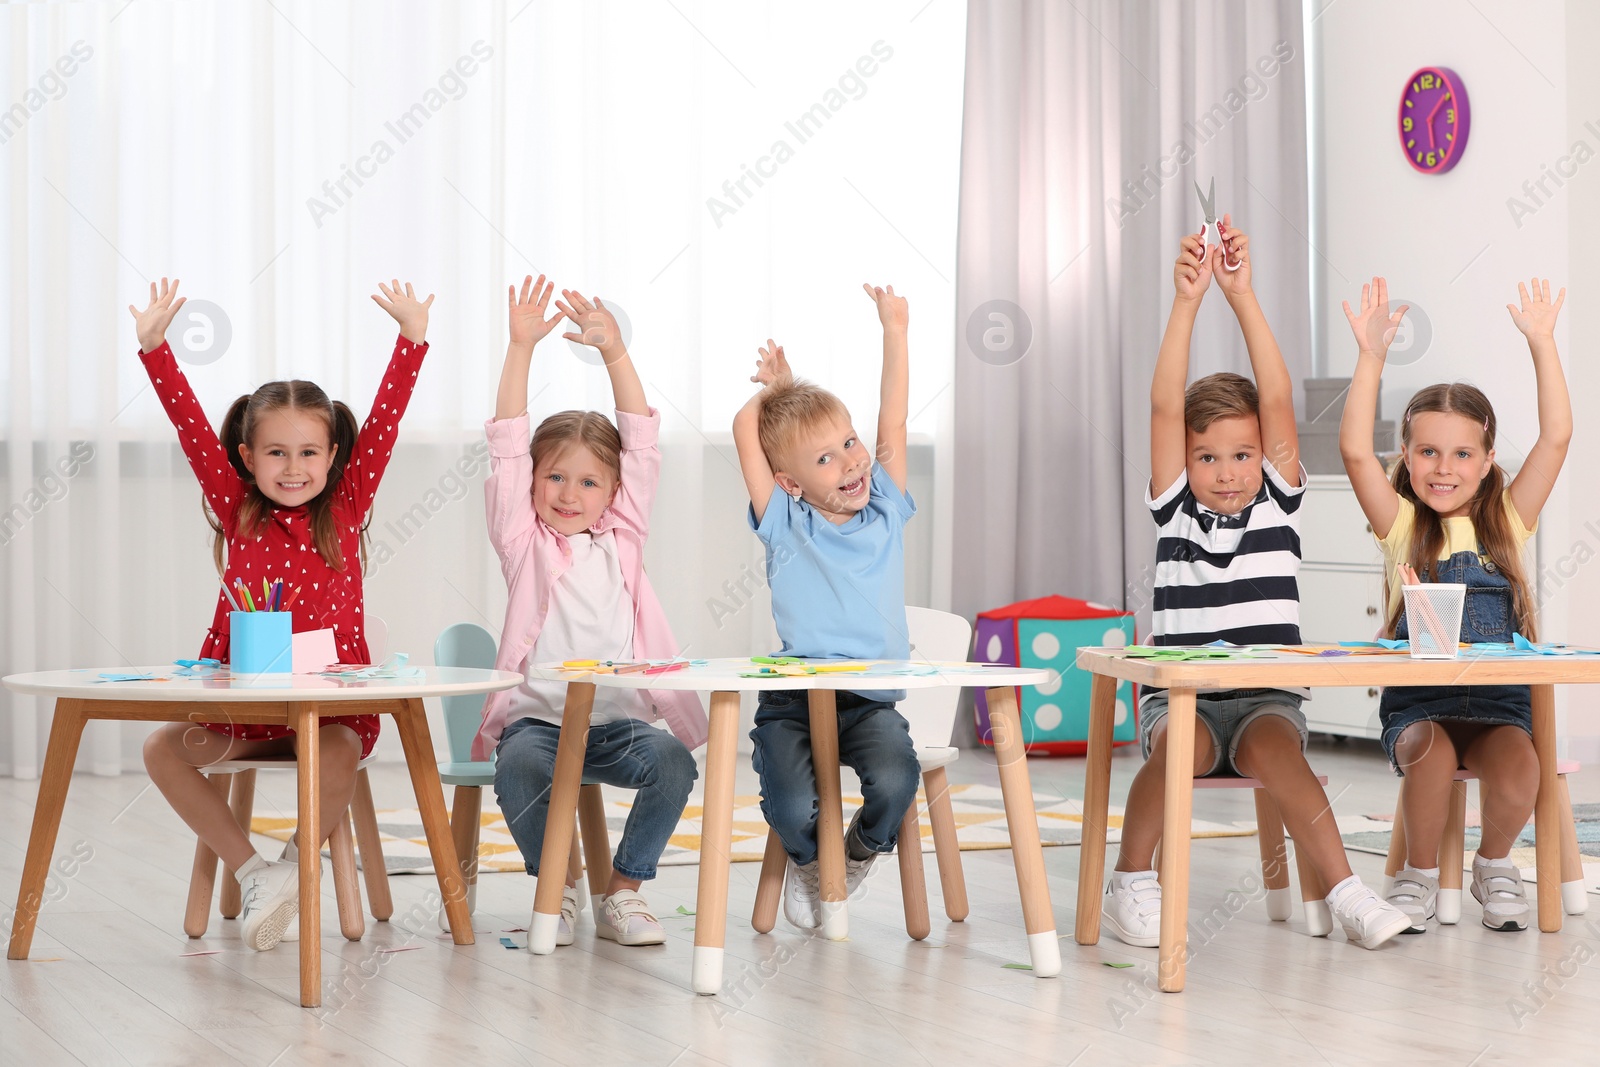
<point>676,768</point>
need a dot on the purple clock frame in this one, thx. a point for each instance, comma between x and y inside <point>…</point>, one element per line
<point>1428,92</point>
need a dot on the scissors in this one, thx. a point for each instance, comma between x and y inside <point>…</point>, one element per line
<point>1208,205</point>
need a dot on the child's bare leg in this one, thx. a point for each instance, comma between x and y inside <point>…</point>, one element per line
<point>1507,767</point>
<point>1427,756</point>
<point>174,755</point>
<point>619,882</point>
<point>1141,821</point>
<point>1269,751</point>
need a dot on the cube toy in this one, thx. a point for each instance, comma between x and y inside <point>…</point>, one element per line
<point>1047,632</point>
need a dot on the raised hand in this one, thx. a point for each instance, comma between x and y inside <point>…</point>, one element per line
<point>597,327</point>
<point>1374,326</point>
<point>1191,274</point>
<point>893,311</point>
<point>772,368</point>
<point>528,324</point>
<point>403,306</point>
<point>152,322</point>
<point>1236,247</point>
<point>1537,316</point>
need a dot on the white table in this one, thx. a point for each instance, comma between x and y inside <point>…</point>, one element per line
<point>284,700</point>
<point>723,679</point>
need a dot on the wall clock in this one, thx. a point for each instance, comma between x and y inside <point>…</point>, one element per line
<point>1434,119</point>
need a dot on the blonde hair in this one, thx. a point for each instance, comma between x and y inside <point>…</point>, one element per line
<point>789,410</point>
<point>1219,396</point>
<point>590,429</point>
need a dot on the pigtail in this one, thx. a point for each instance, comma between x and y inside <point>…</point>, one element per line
<point>1494,533</point>
<point>343,432</point>
<point>252,510</point>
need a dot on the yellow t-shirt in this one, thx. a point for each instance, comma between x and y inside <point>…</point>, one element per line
<point>1459,536</point>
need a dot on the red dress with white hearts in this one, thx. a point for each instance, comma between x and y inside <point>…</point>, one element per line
<point>283,546</point>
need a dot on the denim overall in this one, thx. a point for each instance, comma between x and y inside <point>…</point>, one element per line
<point>1486,617</point>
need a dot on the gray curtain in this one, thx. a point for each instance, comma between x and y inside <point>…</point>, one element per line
<point>1085,127</point>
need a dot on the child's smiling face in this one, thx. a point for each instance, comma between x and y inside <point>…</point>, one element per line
<point>1224,463</point>
<point>572,487</point>
<point>830,467</point>
<point>1446,460</point>
<point>290,456</point>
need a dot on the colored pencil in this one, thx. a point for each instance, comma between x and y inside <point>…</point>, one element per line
<point>292,596</point>
<point>229,595</point>
<point>249,605</point>
<point>665,667</point>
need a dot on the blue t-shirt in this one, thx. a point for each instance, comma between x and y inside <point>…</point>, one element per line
<point>839,591</point>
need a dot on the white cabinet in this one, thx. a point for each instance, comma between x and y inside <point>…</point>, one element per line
<point>1341,597</point>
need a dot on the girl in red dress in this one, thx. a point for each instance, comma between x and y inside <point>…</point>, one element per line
<point>288,487</point>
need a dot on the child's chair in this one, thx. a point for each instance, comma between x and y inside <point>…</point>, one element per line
<point>466,644</point>
<point>936,636</point>
<point>241,774</point>
<point>1574,891</point>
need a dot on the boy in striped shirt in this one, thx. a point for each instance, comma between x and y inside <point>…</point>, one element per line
<point>1225,491</point>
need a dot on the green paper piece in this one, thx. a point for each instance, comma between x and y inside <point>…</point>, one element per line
<point>1018,966</point>
<point>1118,965</point>
<point>683,910</point>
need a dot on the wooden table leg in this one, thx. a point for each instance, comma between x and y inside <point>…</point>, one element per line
<point>66,729</point>
<point>1547,810</point>
<point>564,786</point>
<point>716,845</point>
<point>308,823</point>
<point>823,705</point>
<point>1096,808</point>
<point>913,880</point>
<point>1176,826</point>
<point>412,722</point>
<point>1022,822</point>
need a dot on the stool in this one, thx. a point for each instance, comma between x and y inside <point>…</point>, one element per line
<point>1275,859</point>
<point>1574,893</point>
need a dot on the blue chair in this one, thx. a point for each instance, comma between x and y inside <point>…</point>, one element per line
<point>466,644</point>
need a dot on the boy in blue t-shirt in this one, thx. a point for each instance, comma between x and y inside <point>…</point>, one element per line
<point>835,538</point>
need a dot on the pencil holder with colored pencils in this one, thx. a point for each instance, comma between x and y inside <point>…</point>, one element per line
<point>260,642</point>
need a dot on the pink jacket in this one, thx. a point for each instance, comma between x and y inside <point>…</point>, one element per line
<point>533,557</point>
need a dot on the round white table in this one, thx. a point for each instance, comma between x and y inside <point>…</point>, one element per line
<point>285,700</point>
<point>725,679</point>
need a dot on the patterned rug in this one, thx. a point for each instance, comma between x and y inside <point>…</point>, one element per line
<point>1372,834</point>
<point>979,812</point>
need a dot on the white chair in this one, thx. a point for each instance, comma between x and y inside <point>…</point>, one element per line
<point>241,774</point>
<point>936,637</point>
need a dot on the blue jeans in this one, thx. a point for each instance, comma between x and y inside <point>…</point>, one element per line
<point>629,754</point>
<point>874,741</point>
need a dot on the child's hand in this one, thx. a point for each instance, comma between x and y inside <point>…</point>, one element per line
<point>1192,272</point>
<point>528,324</point>
<point>1375,327</point>
<point>772,368</point>
<point>893,311</point>
<point>597,327</point>
<point>1237,248</point>
<point>1537,318</point>
<point>152,322</point>
<point>404,308</point>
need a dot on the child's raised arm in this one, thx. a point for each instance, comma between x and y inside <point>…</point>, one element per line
<point>597,328</point>
<point>894,396</point>
<point>1537,321</point>
<point>771,369</point>
<point>1280,437</point>
<point>528,328</point>
<point>1374,328</point>
<point>1168,436</point>
<point>151,323</point>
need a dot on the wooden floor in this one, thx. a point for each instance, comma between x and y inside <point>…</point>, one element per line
<point>107,984</point>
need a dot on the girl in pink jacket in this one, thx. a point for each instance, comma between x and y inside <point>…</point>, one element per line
<point>568,516</point>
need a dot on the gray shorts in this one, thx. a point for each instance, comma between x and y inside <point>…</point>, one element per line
<point>1225,715</point>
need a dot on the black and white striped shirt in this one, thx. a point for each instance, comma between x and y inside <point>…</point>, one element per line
<point>1228,577</point>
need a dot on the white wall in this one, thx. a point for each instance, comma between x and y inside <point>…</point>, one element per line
<point>1451,246</point>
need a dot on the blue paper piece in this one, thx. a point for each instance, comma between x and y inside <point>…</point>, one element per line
<point>393,667</point>
<point>508,943</point>
<point>129,676</point>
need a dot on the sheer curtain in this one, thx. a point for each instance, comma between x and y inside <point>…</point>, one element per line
<point>1086,126</point>
<point>719,173</point>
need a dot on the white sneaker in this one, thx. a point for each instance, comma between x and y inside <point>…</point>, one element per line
<point>855,871</point>
<point>571,904</point>
<point>270,899</point>
<point>1368,920</point>
<point>802,895</point>
<point>1416,895</point>
<point>625,917</point>
<point>1497,885</point>
<point>1132,908</point>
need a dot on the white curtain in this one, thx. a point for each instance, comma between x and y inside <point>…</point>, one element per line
<point>1086,126</point>
<point>720,172</point>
